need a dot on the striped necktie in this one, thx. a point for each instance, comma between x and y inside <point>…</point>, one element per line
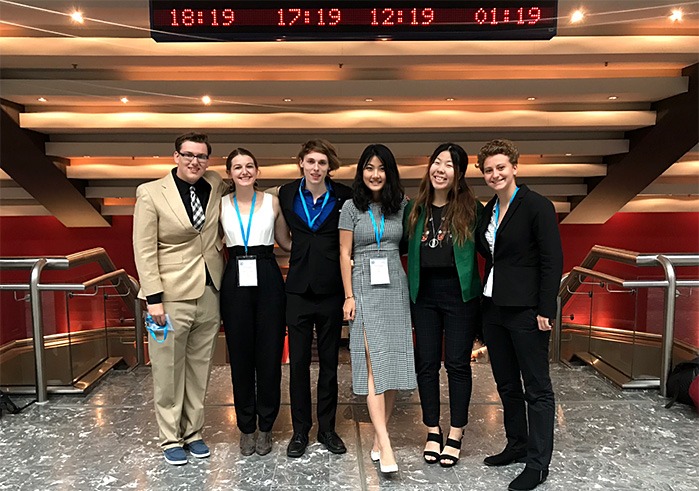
<point>197,210</point>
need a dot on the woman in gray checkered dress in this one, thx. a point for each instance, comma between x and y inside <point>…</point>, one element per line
<point>376,292</point>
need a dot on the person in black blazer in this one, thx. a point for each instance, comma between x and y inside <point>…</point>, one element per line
<point>519,238</point>
<point>311,207</point>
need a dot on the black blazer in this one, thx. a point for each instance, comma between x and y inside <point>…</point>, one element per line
<point>528,253</point>
<point>315,256</point>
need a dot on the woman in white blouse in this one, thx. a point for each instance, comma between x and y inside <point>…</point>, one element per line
<point>253,301</point>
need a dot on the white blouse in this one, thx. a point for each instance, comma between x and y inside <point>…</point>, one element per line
<point>262,229</point>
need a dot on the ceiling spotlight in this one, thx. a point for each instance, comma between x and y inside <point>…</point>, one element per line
<point>568,154</point>
<point>531,98</point>
<point>77,17</point>
<point>449,99</point>
<point>612,97</point>
<point>206,100</point>
<point>42,99</point>
<point>577,16</point>
<point>124,100</point>
<point>368,99</point>
<point>287,99</point>
<point>676,15</point>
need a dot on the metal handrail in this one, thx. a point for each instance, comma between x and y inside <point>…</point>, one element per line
<point>126,285</point>
<point>571,281</point>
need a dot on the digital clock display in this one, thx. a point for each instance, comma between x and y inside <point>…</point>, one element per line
<point>343,20</point>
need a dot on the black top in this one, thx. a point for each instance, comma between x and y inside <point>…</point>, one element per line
<point>528,254</point>
<point>314,263</point>
<point>436,242</point>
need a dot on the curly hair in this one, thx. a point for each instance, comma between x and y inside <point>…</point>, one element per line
<point>392,193</point>
<point>498,147</point>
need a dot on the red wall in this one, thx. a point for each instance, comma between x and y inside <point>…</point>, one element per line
<point>30,236</point>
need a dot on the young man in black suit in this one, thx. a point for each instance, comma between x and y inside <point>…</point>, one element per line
<point>311,206</point>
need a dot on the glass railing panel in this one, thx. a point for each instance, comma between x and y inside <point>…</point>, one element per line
<point>16,353</point>
<point>575,324</point>
<point>687,316</point>
<point>615,308</point>
<point>120,328</point>
<point>88,334</point>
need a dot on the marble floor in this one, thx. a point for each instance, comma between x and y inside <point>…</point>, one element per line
<point>605,440</point>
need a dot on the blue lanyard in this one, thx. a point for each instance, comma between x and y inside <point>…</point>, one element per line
<point>378,233</point>
<point>246,236</point>
<point>305,206</point>
<point>497,212</point>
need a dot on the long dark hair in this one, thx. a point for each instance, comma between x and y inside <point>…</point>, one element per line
<point>460,211</point>
<point>392,193</point>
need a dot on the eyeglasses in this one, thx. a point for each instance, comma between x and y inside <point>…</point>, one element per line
<point>188,157</point>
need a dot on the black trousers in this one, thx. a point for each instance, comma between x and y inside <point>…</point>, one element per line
<point>440,316</point>
<point>519,353</point>
<point>253,319</point>
<point>304,313</point>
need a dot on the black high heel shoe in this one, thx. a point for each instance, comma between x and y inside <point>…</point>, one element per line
<point>433,437</point>
<point>446,460</point>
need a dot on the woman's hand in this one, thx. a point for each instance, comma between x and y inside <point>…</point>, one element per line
<point>544,323</point>
<point>348,309</point>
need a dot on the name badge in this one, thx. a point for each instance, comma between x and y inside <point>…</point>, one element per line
<point>247,271</point>
<point>378,268</point>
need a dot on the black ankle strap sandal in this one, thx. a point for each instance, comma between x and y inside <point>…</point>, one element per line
<point>433,437</point>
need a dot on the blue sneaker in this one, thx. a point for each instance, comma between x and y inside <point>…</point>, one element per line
<point>198,448</point>
<point>175,456</point>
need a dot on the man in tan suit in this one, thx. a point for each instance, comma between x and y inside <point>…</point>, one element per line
<point>177,247</point>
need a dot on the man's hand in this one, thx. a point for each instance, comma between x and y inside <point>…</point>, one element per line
<point>157,312</point>
<point>544,323</point>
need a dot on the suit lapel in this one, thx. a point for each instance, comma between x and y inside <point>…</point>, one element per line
<point>512,209</point>
<point>174,200</point>
<point>211,203</point>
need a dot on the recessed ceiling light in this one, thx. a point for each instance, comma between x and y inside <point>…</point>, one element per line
<point>287,99</point>
<point>449,99</point>
<point>156,156</point>
<point>206,100</point>
<point>368,99</point>
<point>568,154</point>
<point>124,100</point>
<point>676,15</point>
<point>86,156</point>
<point>77,16</point>
<point>612,97</point>
<point>531,98</point>
<point>42,99</point>
<point>577,16</point>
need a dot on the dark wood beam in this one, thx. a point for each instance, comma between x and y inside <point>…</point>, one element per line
<point>652,151</point>
<point>22,157</point>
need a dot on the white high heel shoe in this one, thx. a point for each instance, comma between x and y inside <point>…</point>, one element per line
<point>375,455</point>
<point>388,469</point>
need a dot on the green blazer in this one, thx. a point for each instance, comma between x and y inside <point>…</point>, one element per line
<point>464,256</point>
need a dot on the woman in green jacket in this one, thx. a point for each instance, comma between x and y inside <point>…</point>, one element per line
<point>445,293</point>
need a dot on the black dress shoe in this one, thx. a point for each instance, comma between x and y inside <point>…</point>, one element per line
<point>332,441</point>
<point>297,445</point>
<point>528,479</point>
<point>506,457</point>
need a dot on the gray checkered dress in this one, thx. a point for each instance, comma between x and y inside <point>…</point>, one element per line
<point>382,311</point>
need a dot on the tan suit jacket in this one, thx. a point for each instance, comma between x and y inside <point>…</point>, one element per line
<point>171,255</point>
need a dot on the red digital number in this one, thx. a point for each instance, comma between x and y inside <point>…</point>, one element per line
<point>534,15</point>
<point>334,17</point>
<point>188,17</point>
